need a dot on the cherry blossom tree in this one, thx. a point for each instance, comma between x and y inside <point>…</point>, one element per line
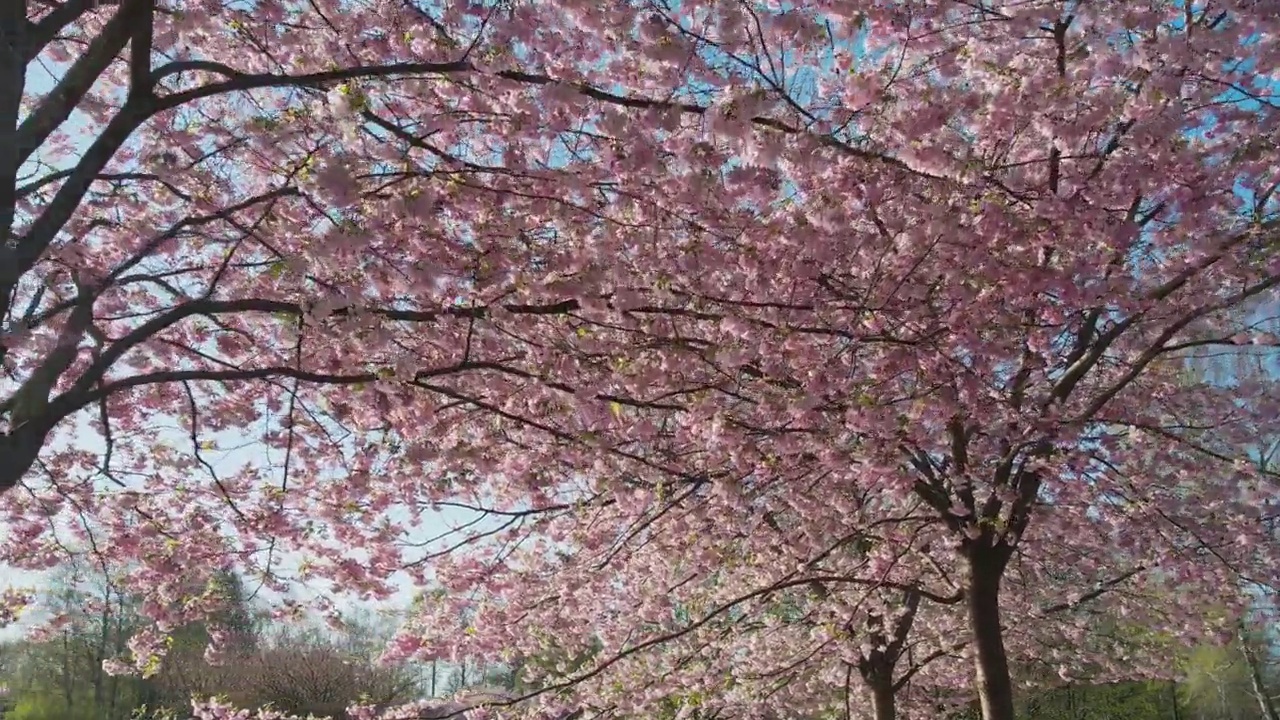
<point>860,308</point>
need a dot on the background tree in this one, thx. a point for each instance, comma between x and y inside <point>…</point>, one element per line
<point>61,674</point>
<point>299,669</point>
<point>302,673</point>
<point>197,654</point>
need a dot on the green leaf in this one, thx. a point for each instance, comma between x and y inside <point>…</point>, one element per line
<point>151,668</point>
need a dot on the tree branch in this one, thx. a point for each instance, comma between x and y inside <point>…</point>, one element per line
<point>43,32</point>
<point>140,83</point>
<point>58,105</point>
<point>1098,591</point>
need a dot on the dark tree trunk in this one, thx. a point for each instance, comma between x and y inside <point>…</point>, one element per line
<point>991,670</point>
<point>884,703</point>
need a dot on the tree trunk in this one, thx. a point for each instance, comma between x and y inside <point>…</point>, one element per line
<point>1267,707</point>
<point>883,701</point>
<point>67,683</point>
<point>100,677</point>
<point>991,667</point>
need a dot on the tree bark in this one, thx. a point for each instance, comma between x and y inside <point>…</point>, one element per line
<point>1265,704</point>
<point>884,702</point>
<point>991,666</point>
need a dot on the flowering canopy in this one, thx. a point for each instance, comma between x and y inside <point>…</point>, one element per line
<point>760,327</point>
